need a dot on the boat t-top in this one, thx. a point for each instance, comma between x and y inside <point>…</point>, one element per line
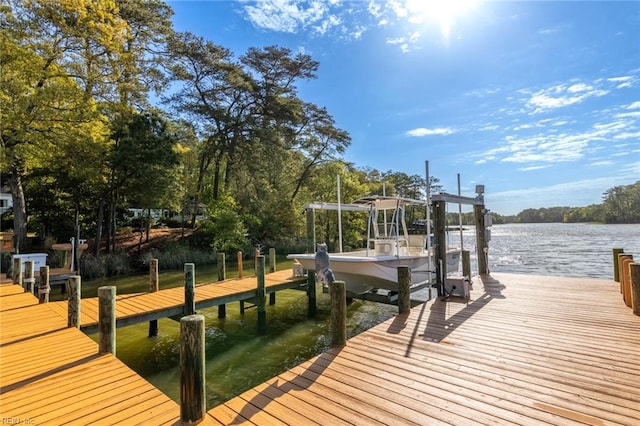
<point>390,244</point>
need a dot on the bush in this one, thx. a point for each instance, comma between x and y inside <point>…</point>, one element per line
<point>175,255</point>
<point>105,265</point>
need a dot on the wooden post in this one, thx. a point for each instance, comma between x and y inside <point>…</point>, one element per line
<point>73,305</point>
<point>272,268</point>
<point>621,258</point>
<point>189,289</point>
<point>193,400</point>
<point>260,296</point>
<point>240,265</point>
<point>107,319</point>
<point>272,260</point>
<point>404,294</point>
<point>43,286</point>
<point>616,264</point>
<point>256,253</point>
<point>481,243</point>
<point>311,231</point>
<point>338,293</point>
<point>222,267</point>
<point>154,286</point>
<point>222,275</point>
<point>626,280</point>
<point>16,271</point>
<point>466,263</point>
<point>29,276</point>
<point>311,294</point>
<point>440,233</point>
<point>634,273</point>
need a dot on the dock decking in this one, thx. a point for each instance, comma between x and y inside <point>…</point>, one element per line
<point>525,350</point>
<point>50,374</point>
<point>141,307</point>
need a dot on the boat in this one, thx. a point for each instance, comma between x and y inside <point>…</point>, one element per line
<point>389,245</point>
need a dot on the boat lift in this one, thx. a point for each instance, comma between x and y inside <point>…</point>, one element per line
<point>446,286</point>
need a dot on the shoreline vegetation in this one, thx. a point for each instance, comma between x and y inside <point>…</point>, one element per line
<point>620,205</point>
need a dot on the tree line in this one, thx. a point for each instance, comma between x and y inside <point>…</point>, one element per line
<point>621,204</point>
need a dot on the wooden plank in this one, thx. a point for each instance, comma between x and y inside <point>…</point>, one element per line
<point>524,350</point>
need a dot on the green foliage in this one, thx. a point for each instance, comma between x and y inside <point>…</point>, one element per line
<point>105,265</point>
<point>223,230</point>
<point>175,255</point>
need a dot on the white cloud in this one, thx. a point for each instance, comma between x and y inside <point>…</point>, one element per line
<point>423,131</point>
<point>291,16</point>
<point>561,95</point>
<point>602,163</point>
<point>632,114</point>
<point>580,87</point>
<point>528,169</point>
<point>634,105</point>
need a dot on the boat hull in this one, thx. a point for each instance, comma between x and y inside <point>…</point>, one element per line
<point>363,274</point>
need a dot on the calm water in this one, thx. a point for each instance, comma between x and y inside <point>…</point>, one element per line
<point>238,358</point>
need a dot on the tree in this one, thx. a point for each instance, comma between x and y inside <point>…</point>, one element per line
<point>53,57</point>
<point>143,160</point>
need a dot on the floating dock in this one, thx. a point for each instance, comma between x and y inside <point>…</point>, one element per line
<point>523,350</point>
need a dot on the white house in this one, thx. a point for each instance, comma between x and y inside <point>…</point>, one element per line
<point>6,201</point>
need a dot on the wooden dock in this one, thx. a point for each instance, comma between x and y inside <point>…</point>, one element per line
<point>51,374</point>
<point>142,307</point>
<point>524,350</point>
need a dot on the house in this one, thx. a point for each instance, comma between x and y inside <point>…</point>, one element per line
<point>6,200</point>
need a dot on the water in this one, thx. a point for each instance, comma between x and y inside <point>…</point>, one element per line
<point>238,358</point>
<point>575,250</point>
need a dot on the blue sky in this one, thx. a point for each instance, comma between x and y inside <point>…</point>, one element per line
<point>539,101</point>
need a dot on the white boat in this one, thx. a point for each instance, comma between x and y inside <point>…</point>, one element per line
<point>389,245</point>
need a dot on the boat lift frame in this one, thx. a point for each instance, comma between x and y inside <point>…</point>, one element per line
<point>482,222</point>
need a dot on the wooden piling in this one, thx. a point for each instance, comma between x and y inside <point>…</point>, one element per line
<point>338,294</point>
<point>16,271</point>
<point>189,289</point>
<point>154,286</point>
<point>73,304</point>
<point>261,295</point>
<point>192,370</point>
<point>256,253</point>
<point>621,258</point>
<point>311,231</point>
<point>311,294</point>
<point>222,275</point>
<point>626,280</point>
<point>466,263</point>
<point>222,267</point>
<point>482,247</point>
<point>240,265</point>
<point>616,264</point>
<point>107,319</point>
<point>440,233</point>
<point>404,294</point>
<point>43,285</point>
<point>634,274</point>
<point>272,268</point>
<point>29,276</point>
<point>272,260</point>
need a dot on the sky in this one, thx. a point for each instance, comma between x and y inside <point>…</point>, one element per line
<point>538,101</point>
